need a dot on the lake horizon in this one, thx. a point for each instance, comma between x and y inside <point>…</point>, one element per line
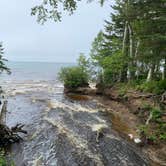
<point>21,71</point>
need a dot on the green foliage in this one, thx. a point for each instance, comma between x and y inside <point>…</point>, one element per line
<point>97,50</point>
<point>131,47</point>
<point>156,114</point>
<point>107,77</point>
<point>143,128</point>
<point>83,62</point>
<point>155,130</point>
<point>163,136</point>
<point>153,138</point>
<point>73,77</point>
<point>53,9</point>
<point>3,66</point>
<point>152,134</point>
<point>77,76</point>
<point>147,107</point>
<point>114,62</point>
<point>3,161</point>
<point>156,87</point>
<point>122,92</point>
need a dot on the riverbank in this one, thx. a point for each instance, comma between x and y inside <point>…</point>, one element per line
<point>129,114</point>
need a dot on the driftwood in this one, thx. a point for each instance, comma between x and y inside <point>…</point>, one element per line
<point>8,135</point>
<point>3,110</point>
<point>149,118</point>
<point>143,96</point>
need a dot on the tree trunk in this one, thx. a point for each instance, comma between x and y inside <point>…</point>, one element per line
<point>8,135</point>
<point>131,54</point>
<point>164,70</point>
<point>125,38</point>
<point>136,61</point>
<point>123,75</point>
<point>150,73</point>
<point>3,110</point>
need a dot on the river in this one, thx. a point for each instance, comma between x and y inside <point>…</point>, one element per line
<point>63,131</point>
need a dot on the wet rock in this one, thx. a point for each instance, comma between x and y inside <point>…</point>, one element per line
<point>118,153</point>
<point>75,157</point>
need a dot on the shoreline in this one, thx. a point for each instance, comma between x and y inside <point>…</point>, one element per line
<point>124,119</point>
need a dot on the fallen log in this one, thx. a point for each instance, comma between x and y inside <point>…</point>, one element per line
<point>149,118</point>
<point>3,110</point>
<point>8,135</point>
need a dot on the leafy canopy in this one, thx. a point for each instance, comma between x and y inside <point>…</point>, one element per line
<point>53,9</point>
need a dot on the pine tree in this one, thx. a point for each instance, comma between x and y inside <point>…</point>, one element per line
<point>136,37</point>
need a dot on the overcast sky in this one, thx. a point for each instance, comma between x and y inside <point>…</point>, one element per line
<point>25,40</point>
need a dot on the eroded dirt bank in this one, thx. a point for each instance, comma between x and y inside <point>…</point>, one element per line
<point>127,113</point>
<point>64,131</point>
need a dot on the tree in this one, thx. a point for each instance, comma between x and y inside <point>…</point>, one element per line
<point>133,42</point>
<point>52,9</point>
<point>3,66</point>
<point>96,52</point>
<point>150,28</point>
<point>83,62</point>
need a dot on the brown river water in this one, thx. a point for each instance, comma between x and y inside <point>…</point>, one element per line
<point>64,131</point>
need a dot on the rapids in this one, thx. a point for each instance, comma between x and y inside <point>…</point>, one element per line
<point>62,131</point>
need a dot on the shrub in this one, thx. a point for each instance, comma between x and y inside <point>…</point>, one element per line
<point>143,128</point>
<point>156,114</point>
<point>107,77</point>
<point>122,90</point>
<point>73,77</point>
<point>153,138</point>
<point>156,87</point>
<point>3,161</point>
<point>163,136</point>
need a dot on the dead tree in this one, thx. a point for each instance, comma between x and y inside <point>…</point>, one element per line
<point>8,135</point>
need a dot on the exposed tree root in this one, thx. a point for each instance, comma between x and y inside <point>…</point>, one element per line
<point>9,136</point>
